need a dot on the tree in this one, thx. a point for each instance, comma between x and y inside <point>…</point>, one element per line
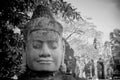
<point>14,13</point>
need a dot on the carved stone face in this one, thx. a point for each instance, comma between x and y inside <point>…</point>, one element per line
<point>44,50</point>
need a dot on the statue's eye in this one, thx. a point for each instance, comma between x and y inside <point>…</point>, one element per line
<point>37,44</point>
<point>53,44</point>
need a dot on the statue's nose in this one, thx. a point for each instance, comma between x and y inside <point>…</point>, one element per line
<point>45,51</point>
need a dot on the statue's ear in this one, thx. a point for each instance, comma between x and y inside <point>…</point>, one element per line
<point>63,65</point>
<point>24,55</point>
<point>63,48</point>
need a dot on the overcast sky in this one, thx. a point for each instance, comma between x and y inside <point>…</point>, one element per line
<point>105,14</point>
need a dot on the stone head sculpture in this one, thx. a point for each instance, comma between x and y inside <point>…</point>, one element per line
<point>44,49</point>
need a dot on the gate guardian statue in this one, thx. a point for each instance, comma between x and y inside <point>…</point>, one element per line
<point>45,48</point>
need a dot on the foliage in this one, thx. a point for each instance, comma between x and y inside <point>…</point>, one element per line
<point>10,54</point>
<point>16,12</point>
<point>84,44</point>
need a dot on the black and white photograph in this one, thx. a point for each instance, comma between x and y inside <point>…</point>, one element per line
<point>59,39</point>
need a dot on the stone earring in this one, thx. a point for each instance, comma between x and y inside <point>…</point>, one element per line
<point>63,68</point>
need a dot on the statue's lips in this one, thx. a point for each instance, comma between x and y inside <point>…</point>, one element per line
<point>45,61</point>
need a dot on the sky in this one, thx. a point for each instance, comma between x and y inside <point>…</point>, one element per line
<point>105,14</point>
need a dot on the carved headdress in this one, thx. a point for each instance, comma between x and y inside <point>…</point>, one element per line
<point>43,19</point>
